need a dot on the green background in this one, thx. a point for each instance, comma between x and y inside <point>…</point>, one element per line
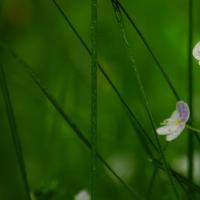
<point>57,162</point>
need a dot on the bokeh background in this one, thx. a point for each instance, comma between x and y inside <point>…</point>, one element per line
<point>57,162</point>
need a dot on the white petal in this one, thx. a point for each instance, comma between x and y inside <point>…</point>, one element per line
<point>166,130</point>
<point>82,195</point>
<point>172,120</point>
<point>175,115</point>
<point>196,51</point>
<point>176,133</point>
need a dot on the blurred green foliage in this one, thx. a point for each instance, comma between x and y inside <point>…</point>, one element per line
<point>56,161</point>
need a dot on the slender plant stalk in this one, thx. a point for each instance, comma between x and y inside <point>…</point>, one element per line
<point>160,67</point>
<point>156,60</point>
<point>151,183</point>
<point>190,95</point>
<point>130,112</point>
<point>83,139</point>
<point>193,129</point>
<point>94,65</point>
<point>14,131</point>
<point>140,84</point>
<point>71,123</point>
<point>178,176</point>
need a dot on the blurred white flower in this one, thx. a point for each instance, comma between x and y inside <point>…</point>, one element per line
<point>123,164</point>
<point>196,52</point>
<point>181,165</point>
<point>82,195</point>
<point>173,126</point>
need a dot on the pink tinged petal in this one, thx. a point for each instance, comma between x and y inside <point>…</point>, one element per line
<point>183,110</point>
<point>176,133</point>
<point>166,130</point>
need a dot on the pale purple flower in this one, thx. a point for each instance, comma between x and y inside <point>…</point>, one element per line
<point>173,126</point>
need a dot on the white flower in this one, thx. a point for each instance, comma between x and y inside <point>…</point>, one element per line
<point>173,126</point>
<point>82,195</point>
<point>181,165</point>
<point>196,52</point>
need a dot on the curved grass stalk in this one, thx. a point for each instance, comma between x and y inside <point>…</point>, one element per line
<point>193,129</point>
<point>151,183</point>
<point>94,65</point>
<point>69,121</point>
<point>129,111</point>
<point>14,131</point>
<point>141,87</point>
<point>161,68</point>
<point>178,176</point>
<point>85,141</point>
<point>148,47</point>
<point>190,96</point>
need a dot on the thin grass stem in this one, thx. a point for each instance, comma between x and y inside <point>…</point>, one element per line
<point>108,79</point>
<point>161,68</point>
<point>71,123</point>
<point>192,129</point>
<point>141,87</point>
<point>94,65</point>
<point>190,95</point>
<point>83,139</point>
<point>151,183</point>
<point>13,129</point>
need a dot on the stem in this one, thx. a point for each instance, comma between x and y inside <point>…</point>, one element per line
<point>120,22</point>
<point>148,47</point>
<point>131,114</point>
<point>193,129</point>
<point>94,64</point>
<point>190,95</point>
<point>13,129</point>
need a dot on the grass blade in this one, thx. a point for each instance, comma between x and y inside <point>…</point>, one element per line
<point>152,181</point>
<point>190,96</point>
<point>69,121</point>
<point>13,129</point>
<point>178,177</point>
<point>153,56</point>
<point>94,64</point>
<point>141,87</point>
<point>83,139</point>
<point>161,68</point>
<point>130,112</point>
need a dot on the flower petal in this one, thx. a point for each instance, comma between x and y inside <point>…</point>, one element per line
<point>173,126</point>
<point>176,133</point>
<point>166,130</point>
<point>174,115</point>
<point>183,110</point>
<point>196,51</point>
